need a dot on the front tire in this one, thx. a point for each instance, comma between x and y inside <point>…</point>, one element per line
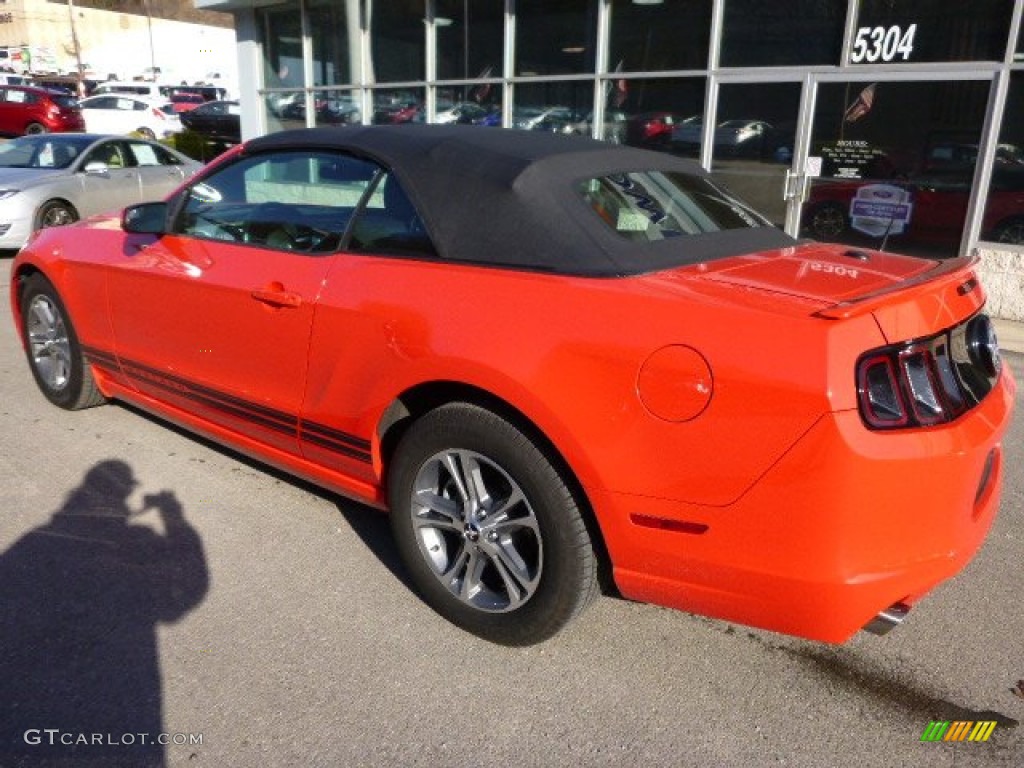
<point>54,353</point>
<point>54,213</point>
<point>488,529</point>
<point>146,133</point>
<point>1010,231</point>
<point>33,129</point>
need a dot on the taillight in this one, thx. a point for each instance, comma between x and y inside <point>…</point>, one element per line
<point>158,113</point>
<point>928,381</point>
<point>918,365</point>
<point>881,402</point>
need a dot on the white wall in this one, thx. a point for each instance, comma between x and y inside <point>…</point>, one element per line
<point>121,43</point>
<point>1002,274</point>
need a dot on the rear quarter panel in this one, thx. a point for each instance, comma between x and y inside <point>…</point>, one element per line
<point>567,352</point>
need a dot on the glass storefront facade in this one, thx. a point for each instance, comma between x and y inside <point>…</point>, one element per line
<point>880,124</point>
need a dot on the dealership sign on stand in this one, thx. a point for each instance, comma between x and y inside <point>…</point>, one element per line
<point>880,209</point>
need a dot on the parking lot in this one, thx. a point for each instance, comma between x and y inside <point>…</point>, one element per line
<point>278,628</point>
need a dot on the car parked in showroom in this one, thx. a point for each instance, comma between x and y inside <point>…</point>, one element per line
<point>931,208</point>
<point>559,363</point>
<point>25,109</point>
<point>464,113</point>
<point>651,130</point>
<point>740,137</point>
<point>53,179</point>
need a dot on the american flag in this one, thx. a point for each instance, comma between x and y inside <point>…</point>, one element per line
<point>861,105</point>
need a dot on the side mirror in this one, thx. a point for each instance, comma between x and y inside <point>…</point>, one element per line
<point>145,219</point>
<point>96,166</point>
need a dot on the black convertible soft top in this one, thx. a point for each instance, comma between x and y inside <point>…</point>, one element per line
<point>509,197</point>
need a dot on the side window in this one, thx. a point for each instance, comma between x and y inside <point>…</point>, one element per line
<point>295,201</point>
<point>110,153</point>
<point>163,156</point>
<point>146,154</point>
<point>389,224</point>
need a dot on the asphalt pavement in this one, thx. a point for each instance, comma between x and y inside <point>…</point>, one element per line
<point>199,594</point>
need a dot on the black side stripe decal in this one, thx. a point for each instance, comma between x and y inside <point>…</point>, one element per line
<point>335,440</point>
<point>269,418</point>
<point>101,358</point>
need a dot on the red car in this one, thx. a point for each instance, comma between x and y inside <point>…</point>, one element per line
<point>559,363</point>
<point>25,109</point>
<point>652,130</point>
<point>929,210</point>
<point>186,102</point>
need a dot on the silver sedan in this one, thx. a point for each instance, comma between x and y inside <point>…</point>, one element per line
<point>52,179</point>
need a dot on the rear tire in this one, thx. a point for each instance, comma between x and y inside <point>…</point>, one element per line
<point>54,354</point>
<point>146,133</point>
<point>34,128</point>
<point>488,529</point>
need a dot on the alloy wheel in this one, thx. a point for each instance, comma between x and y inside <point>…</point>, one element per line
<point>48,342</point>
<point>477,530</point>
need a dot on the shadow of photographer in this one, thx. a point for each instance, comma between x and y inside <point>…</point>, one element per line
<point>80,601</point>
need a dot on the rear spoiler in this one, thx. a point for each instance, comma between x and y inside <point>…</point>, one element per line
<point>946,272</point>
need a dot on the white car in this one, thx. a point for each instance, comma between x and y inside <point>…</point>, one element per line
<point>133,88</point>
<point>124,113</point>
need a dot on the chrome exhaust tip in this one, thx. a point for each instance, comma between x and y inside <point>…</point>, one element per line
<point>888,619</point>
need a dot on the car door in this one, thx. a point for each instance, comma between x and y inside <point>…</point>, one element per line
<point>7,115</point>
<point>110,180</point>
<point>201,118</point>
<point>160,172</point>
<point>116,114</point>
<point>101,114</point>
<point>215,316</point>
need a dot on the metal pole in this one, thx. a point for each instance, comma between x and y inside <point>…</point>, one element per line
<point>152,50</point>
<point>78,51</point>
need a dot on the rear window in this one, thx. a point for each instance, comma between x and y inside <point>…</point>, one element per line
<point>645,206</point>
<point>64,102</point>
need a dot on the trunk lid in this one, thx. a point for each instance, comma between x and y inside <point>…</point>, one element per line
<point>909,297</point>
<point>829,274</point>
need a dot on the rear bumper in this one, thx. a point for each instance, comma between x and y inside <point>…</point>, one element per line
<point>846,524</point>
<point>68,125</point>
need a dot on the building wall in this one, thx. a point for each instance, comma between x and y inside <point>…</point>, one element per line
<point>1002,274</point>
<point>121,44</point>
<point>937,95</point>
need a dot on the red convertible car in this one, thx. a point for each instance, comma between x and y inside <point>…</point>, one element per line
<point>558,363</point>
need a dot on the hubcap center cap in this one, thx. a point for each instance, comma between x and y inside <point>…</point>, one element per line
<point>471,533</point>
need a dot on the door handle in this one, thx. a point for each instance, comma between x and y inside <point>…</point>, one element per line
<point>278,298</point>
